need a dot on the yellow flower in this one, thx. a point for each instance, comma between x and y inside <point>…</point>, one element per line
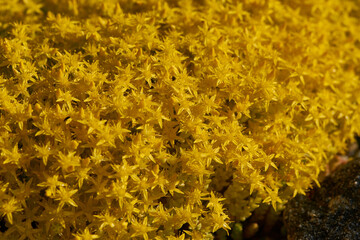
<point>66,97</point>
<point>118,190</point>
<point>9,207</point>
<point>214,203</point>
<point>219,221</point>
<point>273,197</point>
<point>106,220</point>
<point>44,152</point>
<point>86,235</point>
<point>160,215</point>
<point>13,156</point>
<point>69,161</point>
<point>142,112</point>
<point>64,196</point>
<point>141,229</point>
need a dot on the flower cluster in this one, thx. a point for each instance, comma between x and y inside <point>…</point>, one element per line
<point>167,119</point>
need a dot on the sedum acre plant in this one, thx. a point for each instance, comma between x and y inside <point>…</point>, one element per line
<point>166,119</point>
